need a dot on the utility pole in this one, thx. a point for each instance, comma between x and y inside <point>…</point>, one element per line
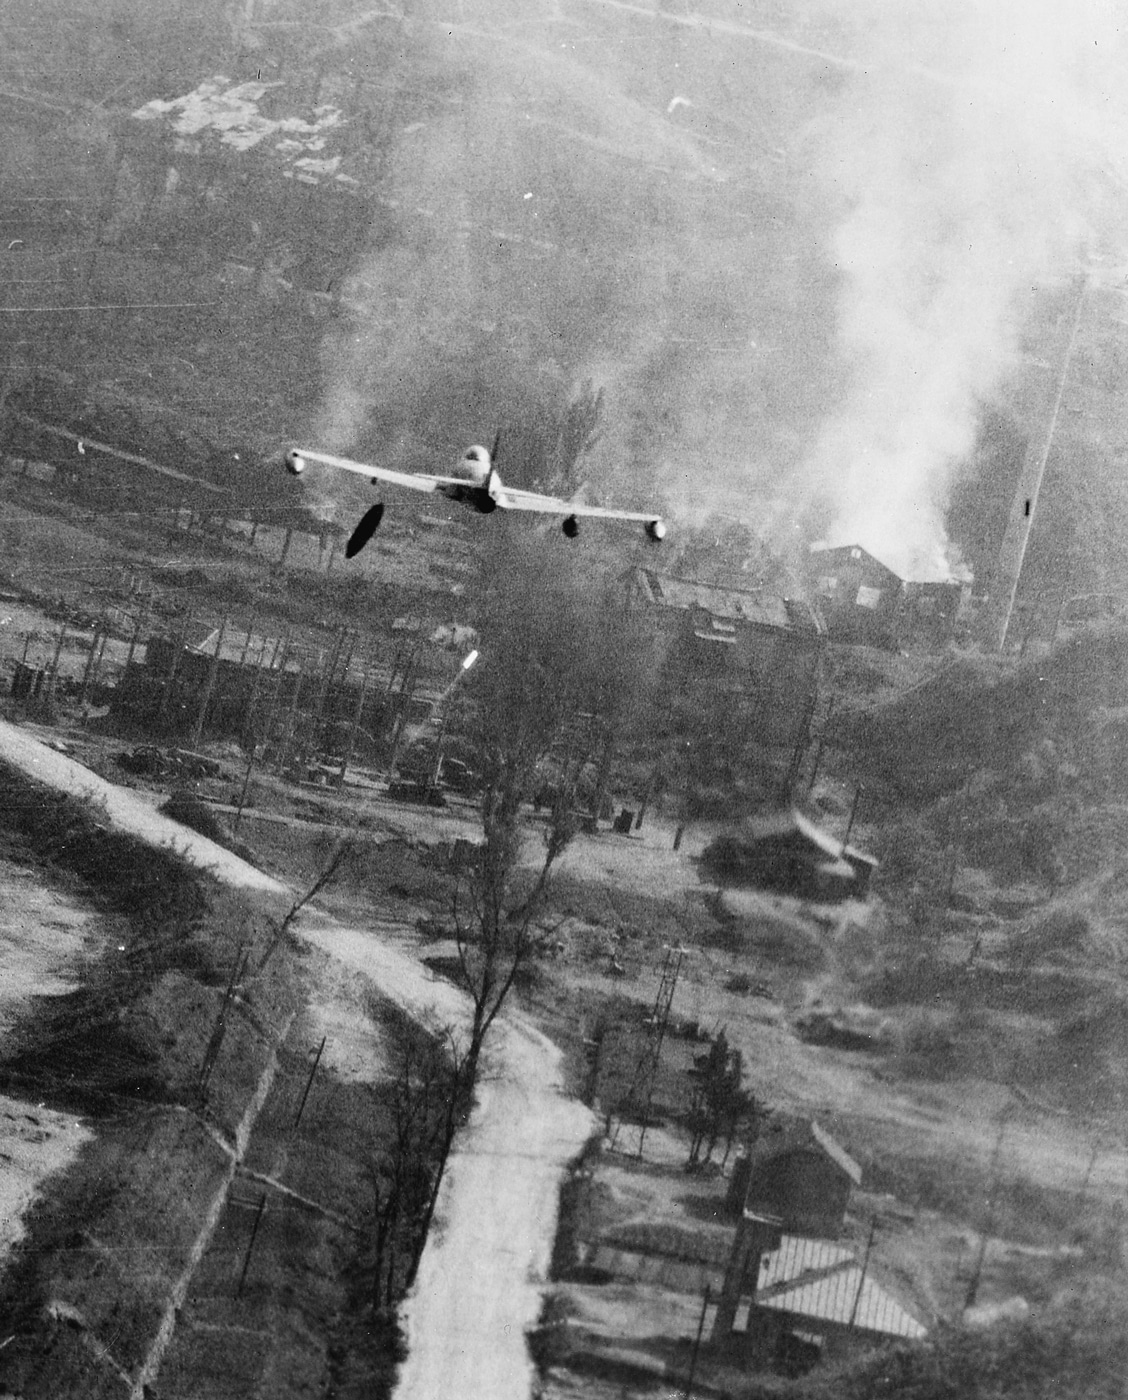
<point>209,686</point>
<point>642,1085</point>
<point>246,785</point>
<point>862,1276</point>
<point>821,744</point>
<point>50,688</point>
<point>853,813</point>
<point>696,1346</point>
<point>989,1223</point>
<point>358,714</point>
<point>1017,536</point>
<point>251,1244</point>
<point>309,1081</point>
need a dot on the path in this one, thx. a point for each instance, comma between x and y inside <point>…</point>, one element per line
<point>479,1283</point>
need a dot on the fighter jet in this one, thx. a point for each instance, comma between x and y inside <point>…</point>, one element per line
<point>473,482</point>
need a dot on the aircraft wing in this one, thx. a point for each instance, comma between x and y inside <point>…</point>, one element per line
<point>509,499</point>
<point>413,481</point>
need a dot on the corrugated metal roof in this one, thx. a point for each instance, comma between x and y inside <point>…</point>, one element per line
<point>764,609</point>
<point>823,1282</point>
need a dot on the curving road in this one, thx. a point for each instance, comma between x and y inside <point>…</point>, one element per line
<point>480,1280</point>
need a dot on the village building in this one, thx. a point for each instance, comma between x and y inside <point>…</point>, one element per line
<point>858,597</point>
<point>762,650</point>
<point>791,1292</point>
<point>784,850</point>
<point>798,1173</point>
<point>789,1300</point>
<point>237,685</point>
<point>862,602</point>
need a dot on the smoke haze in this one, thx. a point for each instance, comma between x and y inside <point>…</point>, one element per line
<point>792,259</point>
<point>963,176</point>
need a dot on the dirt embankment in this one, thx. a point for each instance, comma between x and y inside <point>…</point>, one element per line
<point>216,1227</point>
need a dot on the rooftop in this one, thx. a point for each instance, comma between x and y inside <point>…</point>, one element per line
<point>823,1282</point>
<point>804,1133</point>
<point>836,552</point>
<point>790,821</point>
<point>733,604</point>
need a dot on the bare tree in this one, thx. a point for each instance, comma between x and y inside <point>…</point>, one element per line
<point>720,1103</point>
<point>553,648</point>
<point>428,1099</point>
<point>340,853</point>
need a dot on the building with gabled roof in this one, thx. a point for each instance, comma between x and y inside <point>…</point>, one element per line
<point>788,1300</point>
<point>782,849</point>
<point>797,1173</point>
<point>761,649</point>
<point>819,1283</point>
<point>862,601</point>
<point>859,597</point>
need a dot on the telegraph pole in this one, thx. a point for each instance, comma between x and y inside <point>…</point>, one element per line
<point>1013,551</point>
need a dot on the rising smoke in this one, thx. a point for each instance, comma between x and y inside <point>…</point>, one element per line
<point>793,266</point>
<point>961,161</point>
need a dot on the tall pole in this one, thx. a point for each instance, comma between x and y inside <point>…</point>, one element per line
<point>358,713</point>
<point>309,1081</point>
<point>989,1225</point>
<point>862,1275</point>
<point>55,663</point>
<point>853,813</point>
<point>1013,552</point>
<point>821,745</point>
<point>251,1245</point>
<point>246,785</point>
<point>209,686</point>
<point>696,1345</point>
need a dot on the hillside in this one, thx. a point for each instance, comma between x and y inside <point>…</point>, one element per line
<point>996,795</point>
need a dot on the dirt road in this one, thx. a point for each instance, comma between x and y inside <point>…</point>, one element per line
<point>479,1283</point>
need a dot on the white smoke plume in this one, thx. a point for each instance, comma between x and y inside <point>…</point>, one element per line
<point>794,261</point>
<point>961,161</point>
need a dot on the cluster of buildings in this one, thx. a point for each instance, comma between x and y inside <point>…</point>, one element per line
<point>784,1284</point>
<point>793,1292</point>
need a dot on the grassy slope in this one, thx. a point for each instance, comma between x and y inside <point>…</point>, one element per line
<point>108,1238</point>
<point>996,794</point>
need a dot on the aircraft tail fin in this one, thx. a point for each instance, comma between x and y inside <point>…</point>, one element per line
<point>493,481</point>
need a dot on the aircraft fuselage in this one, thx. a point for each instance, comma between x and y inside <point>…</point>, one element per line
<point>476,497</point>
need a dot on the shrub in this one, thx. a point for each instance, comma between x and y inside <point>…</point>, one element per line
<point>187,809</point>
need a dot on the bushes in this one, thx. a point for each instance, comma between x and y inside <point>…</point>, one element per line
<point>151,887</point>
<point>552,1341</point>
<point>188,810</point>
<point>1079,1351</point>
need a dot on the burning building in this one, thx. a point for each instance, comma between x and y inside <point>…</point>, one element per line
<point>862,602</point>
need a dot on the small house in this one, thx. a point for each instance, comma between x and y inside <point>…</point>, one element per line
<point>789,1300</point>
<point>784,850</point>
<point>761,649</point>
<point>802,1300</point>
<point>797,1173</point>
<point>858,597</point>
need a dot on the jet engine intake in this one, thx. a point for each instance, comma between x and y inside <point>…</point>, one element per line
<point>656,531</point>
<point>571,527</point>
<point>295,462</point>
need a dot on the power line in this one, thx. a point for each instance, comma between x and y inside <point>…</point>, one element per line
<point>119,306</point>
